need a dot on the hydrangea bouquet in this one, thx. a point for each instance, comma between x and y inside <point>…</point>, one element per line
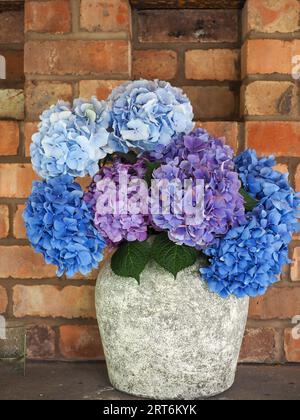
<point>154,175</point>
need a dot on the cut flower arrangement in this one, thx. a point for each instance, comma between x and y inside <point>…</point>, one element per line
<point>144,133</point>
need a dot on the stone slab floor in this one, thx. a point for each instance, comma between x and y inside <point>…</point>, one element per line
<point>89,381</point>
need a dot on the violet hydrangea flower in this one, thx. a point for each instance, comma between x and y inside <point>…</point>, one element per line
<point>198,156</point>
<point>70,141</point>
<point>146,114</point>
<point>120,212</point>
<point>250,257</point>
<point>59,225</point>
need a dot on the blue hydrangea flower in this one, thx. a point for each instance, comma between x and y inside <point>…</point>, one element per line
<point>250,257</point>
<point>71,141</point>
<point>59,226</point>
<point>146,114</point>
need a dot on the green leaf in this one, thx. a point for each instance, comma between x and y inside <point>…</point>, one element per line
<point>151,166</point>
<point>250,202</point>
<point>172,257</point>
<point>130,259</point>
<point>129,157</point>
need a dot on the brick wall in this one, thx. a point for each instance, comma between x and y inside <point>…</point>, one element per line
<point>237,70</point>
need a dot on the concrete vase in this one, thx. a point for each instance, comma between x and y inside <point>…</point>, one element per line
<point>166,338</point>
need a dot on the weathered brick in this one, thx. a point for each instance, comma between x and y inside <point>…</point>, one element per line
<point>9,138</point>
<point>271,16</point>
<point>14,60</point>
<point>274,137</point>
<point>29,129</point>
<point>19,227</point>
<point>12,104</point>
<point>105,16</point>
<point>154,64</point>
<point>80,342</point>
<point>292,345</point>
<point>225,129</point>
<point>169,26</point>
<point>16,179</point>
<point>210,102</point>
<point>3,300</point>
<point>48,16</point>
<point>217,64</point>
<point>77,57</point>
<point>12,27</point>
<point>270,99</point>
<point>259,346</point>
<point>41,95</point>
<point>40,342</point>
<point>278,302</point>
<point>22,262</point>
<point>100,88</point>
<point>51,301</point>
<point>4,221</point>
<point>295,268</point>
<point>268,56</point>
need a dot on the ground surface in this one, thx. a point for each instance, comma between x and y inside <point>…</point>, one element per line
<point>89,381</point>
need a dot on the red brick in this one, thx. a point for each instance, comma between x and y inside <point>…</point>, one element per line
<point>51,301</point>
<point>259,346</point>
<point>270,99</point>
<point>220,102</point>
<point>9,138</point>
<point>16,179</point>
<point>48,16</point>
<point>292,346</point>
<point>295,268</point>
<point>77,57</point>
<point>282,168</point>
<point>271,16</point>
<point>40,342</point>
<point>278,302</point>
<point>274,137</point>
<point>227,130</point>
<point>14,65</point>
<point>19,227</point>
<point>297,178</point>
<point>4,221</point>
<point>268,56</point>
<point>105,16</point>
<point>12,27</point>
<point>182,26</point>
<point>154,64</point>
<point>3,300</point>
<point>29,129</point>
<point>99,88</point>
<point>22,262</point>
<point>217,64</point>
<point>41,95</point>
<point>80,342</point>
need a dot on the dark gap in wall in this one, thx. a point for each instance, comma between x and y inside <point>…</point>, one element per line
<point>11,5</point>
<point>188,4</point>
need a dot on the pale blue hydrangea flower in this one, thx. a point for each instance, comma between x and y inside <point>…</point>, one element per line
<point>71,141</point>
<point>146,114</point>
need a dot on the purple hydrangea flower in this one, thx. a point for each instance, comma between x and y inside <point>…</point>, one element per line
<point>120,214</point>
<point>198,156</point>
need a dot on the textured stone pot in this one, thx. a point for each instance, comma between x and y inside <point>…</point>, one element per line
<point>166,338</point>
